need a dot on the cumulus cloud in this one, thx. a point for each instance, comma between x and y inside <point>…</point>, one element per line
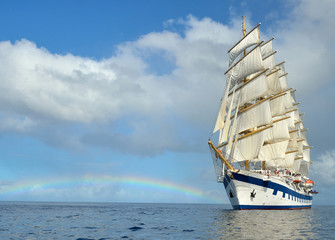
<point>119,102</point>
<point>38,84</point>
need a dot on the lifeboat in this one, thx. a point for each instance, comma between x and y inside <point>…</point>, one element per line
<point>297,181</point>
<point>308,183</point>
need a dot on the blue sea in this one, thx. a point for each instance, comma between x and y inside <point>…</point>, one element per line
<point>83,221</point>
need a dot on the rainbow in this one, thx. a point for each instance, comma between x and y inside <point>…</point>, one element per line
<point>25,187</point>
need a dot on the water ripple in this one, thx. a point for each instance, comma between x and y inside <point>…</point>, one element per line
<point>102,221</point>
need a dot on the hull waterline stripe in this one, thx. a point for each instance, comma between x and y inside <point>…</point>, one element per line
<point>274,207</point>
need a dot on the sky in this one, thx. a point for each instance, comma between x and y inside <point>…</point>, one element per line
<point>114,101</point>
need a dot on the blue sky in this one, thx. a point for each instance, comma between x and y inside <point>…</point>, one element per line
<point>117,89</point>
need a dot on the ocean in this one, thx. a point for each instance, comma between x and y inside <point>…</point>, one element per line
<point>83,221</point>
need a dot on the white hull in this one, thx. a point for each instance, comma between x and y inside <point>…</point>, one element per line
<point>249,190</point>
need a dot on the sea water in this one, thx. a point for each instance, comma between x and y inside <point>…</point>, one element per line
<point>42,220</point>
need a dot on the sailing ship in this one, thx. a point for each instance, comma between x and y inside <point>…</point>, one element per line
<point>262,156</point>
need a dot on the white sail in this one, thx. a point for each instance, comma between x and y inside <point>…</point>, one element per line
<point>256,115</point>
<point>253,89</point>
<point>266,48</point>
<point>248,148</point>
<point>290,120</point>
<point>233,131</point>
<point>296,116</point>
<point>293,141</point>
<point>273,82</point>
<point>249,64</point>
<point>303,136</point>
<point>300,148</point>
<point>293,95</point>
<point>278,132</point>
<point>288,101</point>
<point>278,106</point>
<point>306,154</point>
<point>296,165</point>
<point>282,76</point>
<point>222,111</point>
<point>283,82</point>
<point>269,62</point>
<point>249,40</point>
<point>224,132</point>
<point>274,154</point>
<point>304,169</point>
<point>300,126</point>
<point>281,66</point>
<point>290,160</point>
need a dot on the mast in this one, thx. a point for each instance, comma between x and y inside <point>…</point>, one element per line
<point>244,30</point>
<point>243,26</point>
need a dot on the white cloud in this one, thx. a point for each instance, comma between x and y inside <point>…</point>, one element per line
<point>306,42</point>
<point>324,168</point>
<point>120,103</point>
<point>36,82</point>
<point>52,91</point>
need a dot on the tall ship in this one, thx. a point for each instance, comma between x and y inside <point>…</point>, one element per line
<point>262,156</point>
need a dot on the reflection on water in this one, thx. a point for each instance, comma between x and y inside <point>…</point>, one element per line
<point>265,224</point>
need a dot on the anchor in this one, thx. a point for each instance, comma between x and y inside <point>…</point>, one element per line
<point>253,194</point>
